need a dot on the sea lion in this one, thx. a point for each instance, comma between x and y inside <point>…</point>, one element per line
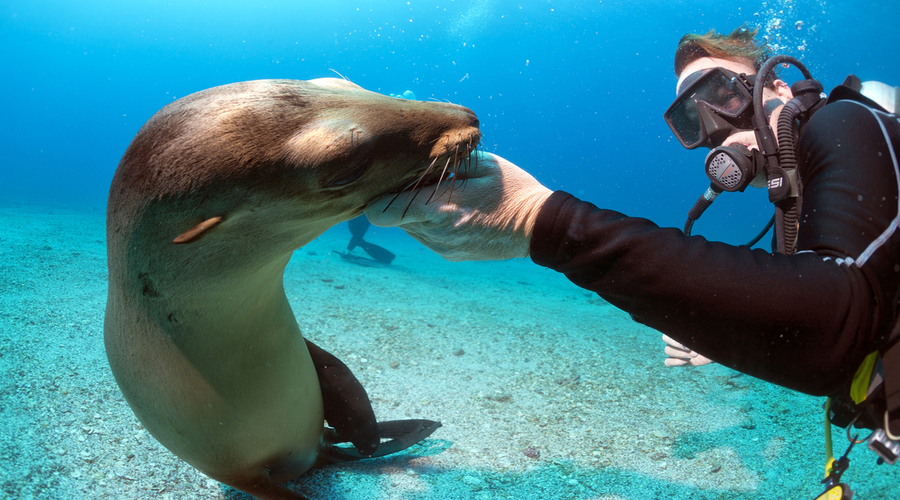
<point>207,205</point>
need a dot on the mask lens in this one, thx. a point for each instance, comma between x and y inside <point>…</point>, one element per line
<point>684,121</point>
<point>720,94</point>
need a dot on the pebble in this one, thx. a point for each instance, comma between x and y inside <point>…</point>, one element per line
<point>474,482</point>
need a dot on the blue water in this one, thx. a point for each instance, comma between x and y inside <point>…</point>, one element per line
<point>571,91</point>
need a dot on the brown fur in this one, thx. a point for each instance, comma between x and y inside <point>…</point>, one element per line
<point>206,207</point>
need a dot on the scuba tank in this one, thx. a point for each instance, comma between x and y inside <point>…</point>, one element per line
<point>883,94</point>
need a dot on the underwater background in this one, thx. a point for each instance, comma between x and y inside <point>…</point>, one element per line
<point>544,390</point>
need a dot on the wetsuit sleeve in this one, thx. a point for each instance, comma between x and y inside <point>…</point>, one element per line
<point>804,321</point>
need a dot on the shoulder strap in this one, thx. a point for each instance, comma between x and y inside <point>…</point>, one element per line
<point>850,90</point>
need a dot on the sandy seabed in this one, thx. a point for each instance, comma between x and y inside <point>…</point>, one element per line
<point>544,390</point>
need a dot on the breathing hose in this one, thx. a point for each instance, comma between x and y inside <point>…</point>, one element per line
<point>782,180</point>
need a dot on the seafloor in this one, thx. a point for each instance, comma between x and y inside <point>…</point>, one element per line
<point>544,390</point>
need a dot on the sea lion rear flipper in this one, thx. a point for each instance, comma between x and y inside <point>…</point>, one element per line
<point>347,406</point>
<point>349,411</point>
<point>402,435</point>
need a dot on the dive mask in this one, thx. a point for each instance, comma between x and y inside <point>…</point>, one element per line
<point>713,103</point>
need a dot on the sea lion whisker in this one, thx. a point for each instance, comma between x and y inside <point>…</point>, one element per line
<point>425,173</point>
<point>410,185</point>
<point>461,164</point>
<point>457,166</point>
<point>450,187</point>
<point>405,210</point>
<point>440,180</point>
<point>338,74</point>
<point>468,165</point>
<point>477,151</point>
<point>395,198</point>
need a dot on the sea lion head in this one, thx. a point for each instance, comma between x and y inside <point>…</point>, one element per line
<point>321,149</point>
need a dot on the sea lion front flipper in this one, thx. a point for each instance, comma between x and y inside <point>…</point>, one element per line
<point>402,435</point>
<point>347,406</point>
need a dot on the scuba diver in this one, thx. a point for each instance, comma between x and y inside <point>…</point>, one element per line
<point>358,228</point>
<point>819,314</point>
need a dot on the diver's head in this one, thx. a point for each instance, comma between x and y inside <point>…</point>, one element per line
<point>715,82</point>
<point>714,104</point>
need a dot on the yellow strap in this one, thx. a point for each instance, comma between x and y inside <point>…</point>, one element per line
<point>860,387</point>
<point>829,452</point>
<point>836,493</point>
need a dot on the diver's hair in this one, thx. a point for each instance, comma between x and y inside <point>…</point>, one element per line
<point>739,45</point>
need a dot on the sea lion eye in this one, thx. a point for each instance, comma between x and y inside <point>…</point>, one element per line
<point>351,175</point>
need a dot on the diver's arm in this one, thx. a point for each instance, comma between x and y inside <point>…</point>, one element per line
<point>797,321</point>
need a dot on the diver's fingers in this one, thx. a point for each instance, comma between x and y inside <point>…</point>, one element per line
<point>674,343</point>
<point>700,360</point>
<point>679,354</point>
<point>674,352</point>
<point>409,207</point>
<point>486,216</point>
<point>675,362</point>
<point>475,188</point>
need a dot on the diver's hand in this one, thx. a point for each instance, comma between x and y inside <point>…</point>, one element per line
<point>679,355</point>
<point>489,213</point>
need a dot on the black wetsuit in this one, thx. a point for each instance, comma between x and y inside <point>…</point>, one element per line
<point>804,321</point>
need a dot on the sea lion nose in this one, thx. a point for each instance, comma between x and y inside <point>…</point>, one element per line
<point>473,120</point>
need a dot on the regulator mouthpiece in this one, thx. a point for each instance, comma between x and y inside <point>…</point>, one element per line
<point>731,168</point>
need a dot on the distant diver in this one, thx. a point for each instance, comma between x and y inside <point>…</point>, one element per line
<point>358,228</point>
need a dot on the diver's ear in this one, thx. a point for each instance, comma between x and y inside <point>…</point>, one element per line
<point>783,90</point>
